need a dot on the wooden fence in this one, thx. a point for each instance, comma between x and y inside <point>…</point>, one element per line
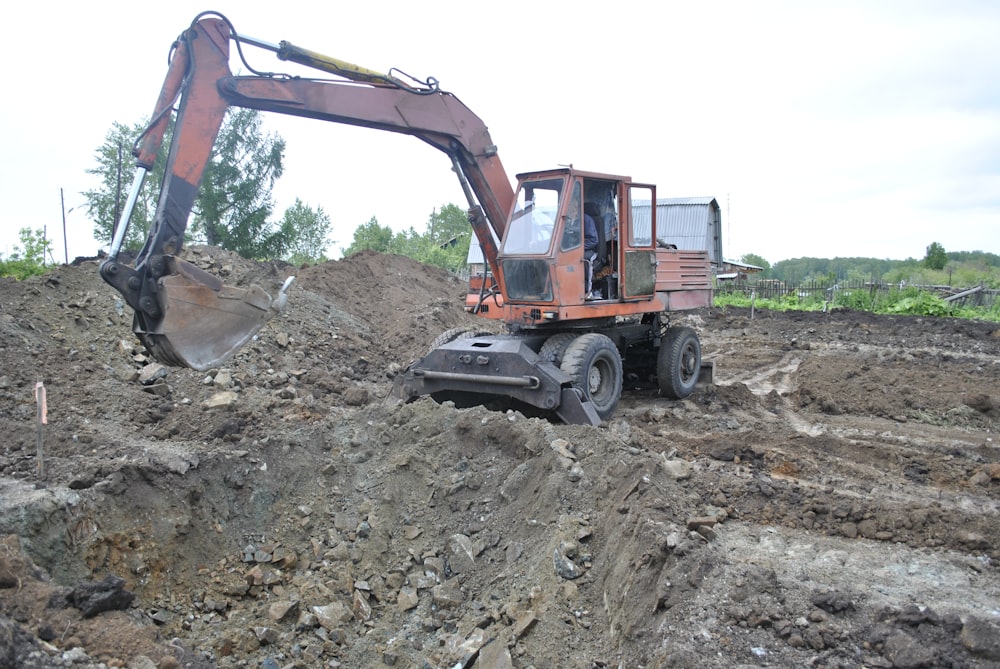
<point>976,296</point>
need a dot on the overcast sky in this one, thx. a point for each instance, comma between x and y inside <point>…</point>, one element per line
<point>823,129</point>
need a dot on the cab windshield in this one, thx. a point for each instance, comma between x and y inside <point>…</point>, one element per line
<point>529,231</point>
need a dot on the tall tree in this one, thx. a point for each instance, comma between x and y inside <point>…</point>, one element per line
<point>307,232</point>
<point>936,257</point>
<point>235,199</point>
<point>115,171</point>
<point>448,225</point>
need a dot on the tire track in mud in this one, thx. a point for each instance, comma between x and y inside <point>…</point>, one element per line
<point>761,381</point>
<point>777,378</point>
<point>884,472</point>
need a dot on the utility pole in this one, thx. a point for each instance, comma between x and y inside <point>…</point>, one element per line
<point>62,204</point>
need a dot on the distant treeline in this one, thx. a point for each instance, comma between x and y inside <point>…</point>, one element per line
<point>963,268</point>
<point>855,294</point>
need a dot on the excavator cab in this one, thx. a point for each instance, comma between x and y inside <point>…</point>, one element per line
<point>561,248</point>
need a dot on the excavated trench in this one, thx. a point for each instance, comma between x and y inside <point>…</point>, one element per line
<point>159,520</point>
<point>425,532</point>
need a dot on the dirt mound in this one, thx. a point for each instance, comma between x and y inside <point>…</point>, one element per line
<point>831,501</point>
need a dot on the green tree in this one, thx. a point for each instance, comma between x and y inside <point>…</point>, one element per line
<point>444,244</point>
<point>114,159</point>
<point>30,260</point>
<point>235,201</point>
<point>411,244</point>
<point>449,224</point>
<point>936,258</point>
<point>422,248</point>
<point>756,261</point>
<point>307,232</point>
<point>372,236</point>
<point>449,235</point>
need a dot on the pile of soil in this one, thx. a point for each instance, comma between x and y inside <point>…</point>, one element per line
<point>830,501</point>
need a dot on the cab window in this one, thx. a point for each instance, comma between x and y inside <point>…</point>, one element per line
<point>530,228</point>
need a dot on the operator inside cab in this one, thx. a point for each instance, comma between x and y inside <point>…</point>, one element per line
<point>592,247</point>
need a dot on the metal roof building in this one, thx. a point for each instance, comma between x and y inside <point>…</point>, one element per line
<point>689,223</point>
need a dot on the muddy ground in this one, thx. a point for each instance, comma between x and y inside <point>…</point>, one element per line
<point>830,501</point>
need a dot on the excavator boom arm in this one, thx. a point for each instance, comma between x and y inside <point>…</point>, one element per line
<point>200,75</point>
<point>438,118</point>
<point>170,297</point>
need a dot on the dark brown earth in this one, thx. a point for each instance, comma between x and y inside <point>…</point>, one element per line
<point>831,501</point>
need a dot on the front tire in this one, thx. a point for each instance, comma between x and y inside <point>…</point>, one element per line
<point>678,363</point>
<point>454,334</point>
<point>555,347</point>
<point>595,367</point>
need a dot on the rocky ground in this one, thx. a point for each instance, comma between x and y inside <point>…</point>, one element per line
<point>831,501</point>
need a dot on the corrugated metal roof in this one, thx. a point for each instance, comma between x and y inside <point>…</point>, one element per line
<point>689,223</point>
<point>737,263</point>
<point>684,200</point>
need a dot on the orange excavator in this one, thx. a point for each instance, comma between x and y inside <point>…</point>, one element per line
<point>580,281</point>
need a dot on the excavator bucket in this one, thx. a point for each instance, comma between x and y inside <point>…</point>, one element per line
<point>202,321</point>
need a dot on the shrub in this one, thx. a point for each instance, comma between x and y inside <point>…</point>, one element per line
<point>30,261</point>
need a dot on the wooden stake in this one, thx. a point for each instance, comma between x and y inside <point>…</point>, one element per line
<point>42,419</point>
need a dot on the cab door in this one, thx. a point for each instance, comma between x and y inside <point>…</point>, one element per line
<point>638,241</point>
<point>569,269</point>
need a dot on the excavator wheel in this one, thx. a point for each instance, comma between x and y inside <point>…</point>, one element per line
<point>678,363</point>
<point>593,363</point>
<point>454,334</point>
<point>555,347</point>
<point>448,336</point>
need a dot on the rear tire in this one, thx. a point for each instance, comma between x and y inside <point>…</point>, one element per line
<point>678,363</point>
<point>595,367</point>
